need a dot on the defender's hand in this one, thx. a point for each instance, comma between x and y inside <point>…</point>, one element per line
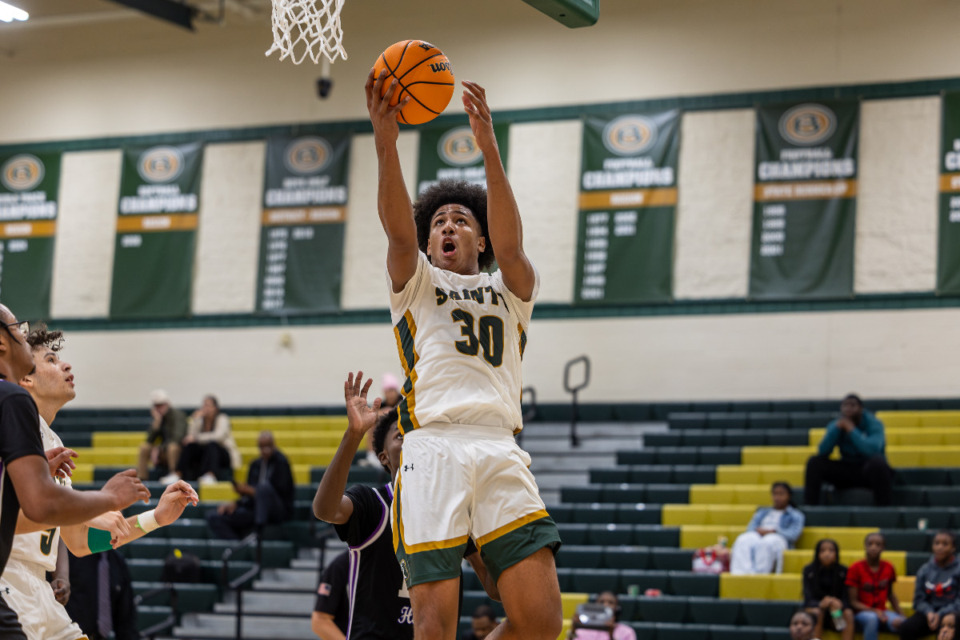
<point>61,590</point>
<point>59,459</point>
<point>174,500</point>
<point>126,489</point>
<point>115,523</point>
<point>360,417</point>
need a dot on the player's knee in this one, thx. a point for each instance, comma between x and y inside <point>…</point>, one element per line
<point>539,623</point>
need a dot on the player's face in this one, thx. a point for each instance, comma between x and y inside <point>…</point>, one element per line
<point>52,380</point>
<point>392,447</point>
<point>455,242</point>
<point>16,352</point>
<point>482,627</point>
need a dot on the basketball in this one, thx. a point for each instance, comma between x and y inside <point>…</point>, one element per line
<point>423,73</point>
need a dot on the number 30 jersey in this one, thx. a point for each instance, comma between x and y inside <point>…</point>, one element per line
<point>40,547</point>
<point>461,340</point>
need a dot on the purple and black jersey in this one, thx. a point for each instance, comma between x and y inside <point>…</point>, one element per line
<point>378,599</point>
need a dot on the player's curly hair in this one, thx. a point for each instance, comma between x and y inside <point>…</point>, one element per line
<point>472,196</point>
<point>380,431</point>
<point>40,336</point>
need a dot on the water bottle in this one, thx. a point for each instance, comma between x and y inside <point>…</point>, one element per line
<point>838,622</point>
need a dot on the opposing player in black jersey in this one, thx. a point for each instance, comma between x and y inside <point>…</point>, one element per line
<point>25,473</point>
<point>378,598</point>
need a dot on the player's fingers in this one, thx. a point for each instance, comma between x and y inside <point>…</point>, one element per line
<point>376,404</point>
<point>392,89</point>
<point>366,388</point>
<point>358,383</point>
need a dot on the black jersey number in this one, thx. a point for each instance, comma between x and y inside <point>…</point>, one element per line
<point>488,336</point>
<point>46,541</point>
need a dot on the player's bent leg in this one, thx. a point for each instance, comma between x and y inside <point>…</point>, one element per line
<point>531,598</point>
<point>435,609</point>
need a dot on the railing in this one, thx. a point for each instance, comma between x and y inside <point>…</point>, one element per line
<point>171,621</point>
<point>575,389</point>
<point>238,584</point>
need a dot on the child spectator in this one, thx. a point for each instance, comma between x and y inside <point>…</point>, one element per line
<point>824,593</point>
<point>870,582</point>
<point>771,531</point>
<point>482,624</point>
<point>935,593</point>
<point>616,631</point>
<point>802,625</point>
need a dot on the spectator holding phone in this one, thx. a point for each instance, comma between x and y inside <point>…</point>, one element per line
<point>604,627</point>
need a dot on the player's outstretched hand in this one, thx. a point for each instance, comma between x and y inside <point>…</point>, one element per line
<point>115,523</point>
<point>360,417</point>
<point>382,115</point>
<point>126,489</point>
<point>61,464</point>
<point>481,121</point>
<point>174,500</point>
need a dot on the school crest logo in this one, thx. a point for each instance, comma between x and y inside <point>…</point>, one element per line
<point>22,172</point>
<point>807,125</point>
<point>459,148</point>
<point>629,135</point>
<point>160,164</point>
<point>307,156</point>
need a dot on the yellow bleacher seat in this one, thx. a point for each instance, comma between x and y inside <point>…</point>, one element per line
<point>570,602</point>
<point>679,514</point>
<point>776,455</point>
<point>903,436</point>
<point>116,439</point>
<point>913,419</point>
<point>694,536</point>
<point>316,456</point>
<point>751,494</point>
<point>789,586</point>
<point>82,474</point>
<point>759,474</point>
<point>289,423</point>
<point>107,456</point>
<point>293,439</point>
<point>217,492</point>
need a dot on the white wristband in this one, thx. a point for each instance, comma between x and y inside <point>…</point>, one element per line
<point>147,521</point>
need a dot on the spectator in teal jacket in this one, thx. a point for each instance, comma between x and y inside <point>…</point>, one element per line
<point>859,436</point>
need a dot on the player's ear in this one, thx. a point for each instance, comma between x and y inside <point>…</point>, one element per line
<point>27,382</point>
<point>482,244</point>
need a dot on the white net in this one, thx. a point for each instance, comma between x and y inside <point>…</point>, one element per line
<point>303,28</point>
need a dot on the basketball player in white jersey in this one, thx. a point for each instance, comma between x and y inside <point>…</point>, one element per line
<point>24,581</point>
<point>461,335</point>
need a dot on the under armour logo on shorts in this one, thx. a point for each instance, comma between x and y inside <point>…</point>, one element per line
<point>408,467</point>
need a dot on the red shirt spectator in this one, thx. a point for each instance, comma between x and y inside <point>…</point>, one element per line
<point>873,587</point>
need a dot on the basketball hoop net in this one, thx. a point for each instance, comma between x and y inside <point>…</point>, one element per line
<point>304,28</point>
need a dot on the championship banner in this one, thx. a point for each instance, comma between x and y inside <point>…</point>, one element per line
<point>628,201</point>
<point>302,229</point>
<point>29,185</point>
<point>804,203</point>
<point>451,153</point>
<point>948,243</point>
<point>156,231</point>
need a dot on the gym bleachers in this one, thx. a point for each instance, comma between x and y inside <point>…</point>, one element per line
<point>632,528</point>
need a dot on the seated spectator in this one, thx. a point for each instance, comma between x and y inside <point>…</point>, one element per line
<point>616,631</point>
<point>162,446</point>
<point>802,626</point>
<point>947,627</point>
<point>862,463</point>
<point>935,594</point>
<point>482,624</point>
<point>331,612</point>
<point>209,450</point>
<point>771,531</point>
<point>266,496</point>
<point>870,582</point>
<point>824,590</point>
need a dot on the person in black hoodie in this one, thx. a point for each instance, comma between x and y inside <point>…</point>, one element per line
<point>824,593</point>
<point>935,593</point>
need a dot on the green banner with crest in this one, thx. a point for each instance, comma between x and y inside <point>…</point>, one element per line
<point>156,231</point>
<point>451,153</point>
<point>304,218</point>
<point>628,201</point>
<point>29,187</point>
<point>948,237</point>
<point>804,210</point>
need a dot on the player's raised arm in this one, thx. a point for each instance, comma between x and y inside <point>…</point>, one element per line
<point>503,216</point>
<point>393,202</point>
<point>330,505</point>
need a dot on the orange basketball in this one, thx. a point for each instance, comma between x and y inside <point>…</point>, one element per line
<point>423,73</point>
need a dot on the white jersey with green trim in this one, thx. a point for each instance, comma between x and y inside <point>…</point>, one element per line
<point>40,547</point>
<point>461,340</point>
